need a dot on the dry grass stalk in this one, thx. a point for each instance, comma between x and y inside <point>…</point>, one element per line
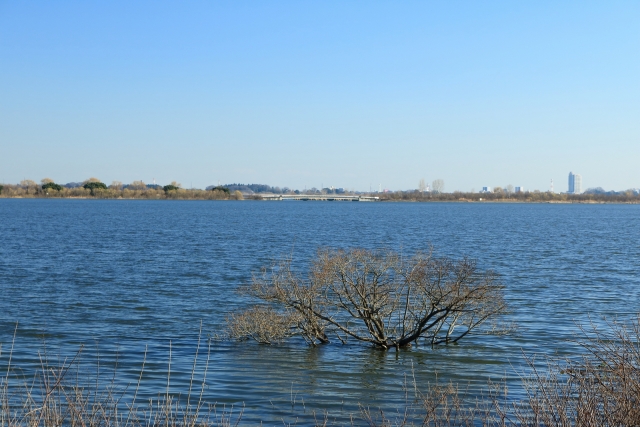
<point>62,394</point>
<point>601,388</point>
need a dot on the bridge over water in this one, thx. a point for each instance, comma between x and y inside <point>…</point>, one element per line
<point>320,197</point>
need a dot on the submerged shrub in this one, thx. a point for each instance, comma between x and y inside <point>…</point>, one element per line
<point>376,297</point>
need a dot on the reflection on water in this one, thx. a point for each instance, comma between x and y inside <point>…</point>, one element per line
<point>120,277</point>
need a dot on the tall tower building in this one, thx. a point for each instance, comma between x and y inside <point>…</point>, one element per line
<point>575,183</point>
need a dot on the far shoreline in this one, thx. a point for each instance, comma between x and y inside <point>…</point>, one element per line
<point>382,200</point>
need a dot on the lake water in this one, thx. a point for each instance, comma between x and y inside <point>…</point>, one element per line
<point>122,276</point>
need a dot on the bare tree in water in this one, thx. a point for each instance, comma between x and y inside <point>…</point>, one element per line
<point>377,297</point>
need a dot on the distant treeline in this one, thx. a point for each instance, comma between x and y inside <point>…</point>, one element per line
<point>629,196</point>
<point>256,188</point>
<point>94,188</point>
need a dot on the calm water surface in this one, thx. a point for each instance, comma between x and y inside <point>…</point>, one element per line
<point>120,277</point>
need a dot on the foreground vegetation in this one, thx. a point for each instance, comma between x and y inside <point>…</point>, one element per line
<point>601,387</point>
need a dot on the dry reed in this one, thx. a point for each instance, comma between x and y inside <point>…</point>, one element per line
<point>61,394</point>
<point>599,388</point>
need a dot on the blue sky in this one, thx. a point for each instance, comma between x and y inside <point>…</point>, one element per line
<point>349,94</point>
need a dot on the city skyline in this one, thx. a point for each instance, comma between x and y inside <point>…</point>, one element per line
<point>575,183</point>
<point>340,93</point>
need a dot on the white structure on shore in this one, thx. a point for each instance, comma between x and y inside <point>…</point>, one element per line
<point>519,189</point>
<point>575,183</point>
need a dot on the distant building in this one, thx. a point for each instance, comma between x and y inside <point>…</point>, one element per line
<point>575,183</point>
<point>519,189</point>
<point>486,190</point>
